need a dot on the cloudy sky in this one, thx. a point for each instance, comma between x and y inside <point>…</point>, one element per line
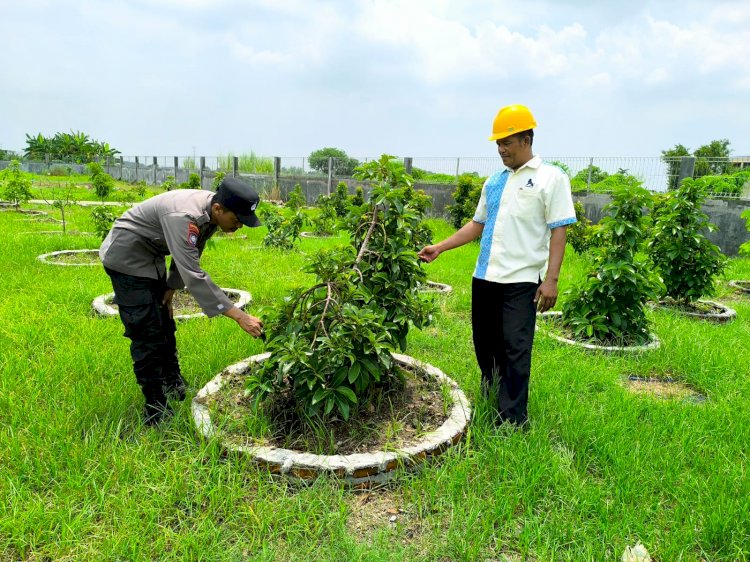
<point>411,78</point>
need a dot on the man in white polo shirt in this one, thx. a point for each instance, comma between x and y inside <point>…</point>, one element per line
<point>522,216</point>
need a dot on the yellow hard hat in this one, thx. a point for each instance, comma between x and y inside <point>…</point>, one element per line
<point>510,120</point>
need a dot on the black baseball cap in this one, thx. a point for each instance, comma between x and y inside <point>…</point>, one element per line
<point>240,198</point>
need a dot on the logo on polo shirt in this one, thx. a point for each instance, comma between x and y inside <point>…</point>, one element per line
<point>193,232</point>
<point>529,183</point>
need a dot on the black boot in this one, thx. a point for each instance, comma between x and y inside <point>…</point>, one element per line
<point>156,407</point>
<point>175,387</point>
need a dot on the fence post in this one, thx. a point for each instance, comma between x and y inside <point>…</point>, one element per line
<point>588,180</point>
<point>458,167</point>
<point>175,168</point>
<point>235,165</point>
<point>330,175</point>
<point>155,167</point>
<point>687,167</point>
<point>203,166</point>
<point>277,173</point>
<point>122,165</point>
<point>407,164</point>
<point>108,166</point>
<point>136,168</point>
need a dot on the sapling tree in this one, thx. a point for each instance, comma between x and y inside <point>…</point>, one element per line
<point>16,184</point>
<point>581,235</point>
<point>608,305</point>
<point>687,260</point>
<point>283,231</point>
<point>324,222</point>
<point>102,181</point>
<point>295,200</point>
<point>61,198</point>
<point>331,343</point>
<point>103,218</point>
<point>340,199</point>
<point>466,196</point>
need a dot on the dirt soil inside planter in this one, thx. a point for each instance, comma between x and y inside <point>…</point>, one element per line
<point>394,418</point>
<point>183,303</point>
<point>75,258</point>
<point>555,326</point>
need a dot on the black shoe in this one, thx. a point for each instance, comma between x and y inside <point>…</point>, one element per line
<point>154,414</point>
<point>156,407</point>
<point>176,388</point>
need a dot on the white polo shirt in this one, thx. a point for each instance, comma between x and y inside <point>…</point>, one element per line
<point>519,210</point>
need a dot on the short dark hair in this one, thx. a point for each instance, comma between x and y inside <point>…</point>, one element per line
<point>529,133</point>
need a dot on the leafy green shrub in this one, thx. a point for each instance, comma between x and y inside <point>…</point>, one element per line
<point>687,260</point>
<point>332,343</point>
<point>295,200</point>
<point>582,182</point>
<point>102,217</point>
<point>581,235</point>
<point>466,195</point>
<point>745,246</point>
<point>194,182</point>
<point>218,178</point>
<point>324,223</point>
<point>102,181</point>
<point>727,185</point>
<point>16,184</point>
<point>358,199</point>
<point>283,232</point>
<point>168,184</point>
<point>608,306</point>
<point>340,199</point>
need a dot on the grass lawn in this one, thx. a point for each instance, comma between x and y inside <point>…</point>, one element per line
<point>600,469</point>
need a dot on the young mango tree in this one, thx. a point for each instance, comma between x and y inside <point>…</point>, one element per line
<point>331,343</point>
<point>687,260</point>
<point>608,306</point>
<point>16,184</point>
<point>283,231</point>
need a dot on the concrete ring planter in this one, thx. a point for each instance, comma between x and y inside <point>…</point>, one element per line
<point>102,304</point>
<point>726,315</point>
<point>359,469</point>
<point>654,343</point>
<point>434,287</point>
<point>29,212</point>
<point>45,258</point>
<point>313,235</point>
<point>741,285</point>
<point>230,237</point>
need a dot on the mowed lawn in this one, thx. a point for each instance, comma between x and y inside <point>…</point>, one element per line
<point>600,469</point>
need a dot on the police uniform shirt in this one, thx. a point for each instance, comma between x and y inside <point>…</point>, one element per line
<point>175,223</point>
<point>518,210</point>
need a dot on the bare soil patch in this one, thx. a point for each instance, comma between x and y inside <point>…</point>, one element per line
<point>663,387</point>
<point>394,417</point>
<point>183,303</point>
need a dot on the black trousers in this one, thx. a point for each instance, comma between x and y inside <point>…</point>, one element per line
<point>153,347</point>
<point>503,318</point>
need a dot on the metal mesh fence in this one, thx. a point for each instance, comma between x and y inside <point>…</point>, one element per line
<point>318,176</point>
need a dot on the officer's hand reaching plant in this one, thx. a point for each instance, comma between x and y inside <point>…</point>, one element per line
<point>251,324</point>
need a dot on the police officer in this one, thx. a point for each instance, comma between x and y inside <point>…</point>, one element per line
<point>522,215</point>
<point>176,223</point>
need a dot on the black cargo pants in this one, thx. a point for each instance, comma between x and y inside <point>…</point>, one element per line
<point>503,318</point>
<point>151,331</point>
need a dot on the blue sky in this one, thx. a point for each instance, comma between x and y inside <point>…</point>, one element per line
<point>411,78</point>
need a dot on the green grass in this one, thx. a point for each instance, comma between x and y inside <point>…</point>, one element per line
<point>599,469</point>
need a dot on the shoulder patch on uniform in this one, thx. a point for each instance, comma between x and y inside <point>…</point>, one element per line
<point>192,234</point>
